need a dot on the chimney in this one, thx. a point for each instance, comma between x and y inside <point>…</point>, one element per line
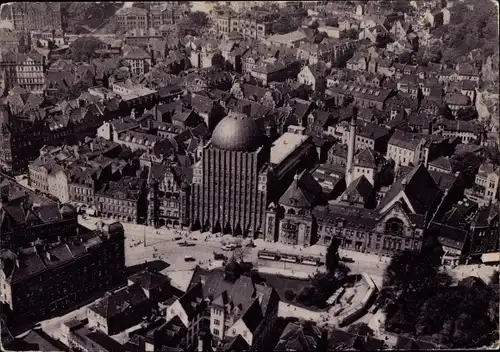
<point>350,146</point>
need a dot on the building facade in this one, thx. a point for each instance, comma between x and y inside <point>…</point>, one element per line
<point>229,191</point>
<point>46,280</point>
<point>36,15</point>
<point>168,197</point>
<point>27,218</point>
<point>24,70</point>
<point>123,200</point>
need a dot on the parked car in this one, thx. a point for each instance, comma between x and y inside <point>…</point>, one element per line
<point>219,256</point>
<point>186,244</point>
<point>177,238</point>
<point>347,259</point>
<point>229,247</point>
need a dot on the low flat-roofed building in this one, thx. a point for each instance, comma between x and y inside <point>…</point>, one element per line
<point>83,338</point>
<point>285,145</point>
<point>291,39</point>
<point>132,91</point>
<point>289,154</point>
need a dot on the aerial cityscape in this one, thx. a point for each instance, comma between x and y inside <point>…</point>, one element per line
<point>249,176</point>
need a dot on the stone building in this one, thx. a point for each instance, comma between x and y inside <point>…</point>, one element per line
<point>36,15</point>
<point>292,222</point>
<point>27,217</point>
<point>23,70</point>
<point>227,306</point>
<point>39,282</point>
<point>168,196</point>
<point>123,200</point>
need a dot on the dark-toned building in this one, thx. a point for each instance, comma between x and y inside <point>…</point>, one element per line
<point>123,200</point>
<point>36,15</point>
<point>168,196</point>
<point>22,136</point>
<point>27,218</point>
<point>364,96</point>
<point>230,182</point>
<point>41,281</point>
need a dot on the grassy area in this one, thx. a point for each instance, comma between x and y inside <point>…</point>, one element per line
<point>283,284</point>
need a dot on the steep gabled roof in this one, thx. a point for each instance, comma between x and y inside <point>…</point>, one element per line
<point>303,192</point>
<point>360,187</point>
<point>365,158</point>
<point>418,188</point>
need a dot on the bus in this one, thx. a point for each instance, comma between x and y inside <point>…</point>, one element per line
<point>268,255</point>
<point>311,261</point>
<point>290,258</point>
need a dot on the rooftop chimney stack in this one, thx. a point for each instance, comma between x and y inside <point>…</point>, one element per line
<point>350,146</point>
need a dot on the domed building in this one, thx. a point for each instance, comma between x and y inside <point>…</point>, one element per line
<point>230,181</point>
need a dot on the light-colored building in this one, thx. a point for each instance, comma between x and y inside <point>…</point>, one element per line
<point>24,70</point>
<point>488,180</point>
<point>138,60</point>
<point>406,148</point>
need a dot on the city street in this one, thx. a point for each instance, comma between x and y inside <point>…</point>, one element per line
<point>161,244</point>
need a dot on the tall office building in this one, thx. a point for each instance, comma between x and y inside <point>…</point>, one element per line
<point>230,181</point>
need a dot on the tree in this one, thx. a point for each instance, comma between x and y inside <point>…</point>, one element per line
<point>332,256</point>
<point>411,275</point>
<point>469,30</point>
<point>218,61</point>
<point>382,40</point>
<point>306,295</point>
<point>351,33</point>
<point>318,38</point>
<point>406,58</point>
<point>289,21</point>
<point>430,53</point>
<point>468,113</point>
<point>241,254</point>
<point>193,24</point>
<point>289,295</point>
<point>466,162</point>
<point>84,49</point>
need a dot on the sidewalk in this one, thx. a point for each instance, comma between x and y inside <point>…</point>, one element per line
<point>318,250</point>
<point>284,272</point>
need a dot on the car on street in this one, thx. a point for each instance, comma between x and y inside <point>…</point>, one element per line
<point>347,259</point>
<point>177,238</point>
<point>188,258</point>
<point>186,244</point>
<point>219,256</point>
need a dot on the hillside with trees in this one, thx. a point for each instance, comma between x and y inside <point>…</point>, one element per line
<point>78,16</point>
<point>469,32</point>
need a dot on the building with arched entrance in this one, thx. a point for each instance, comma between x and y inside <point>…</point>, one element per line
<point>229,189</point>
